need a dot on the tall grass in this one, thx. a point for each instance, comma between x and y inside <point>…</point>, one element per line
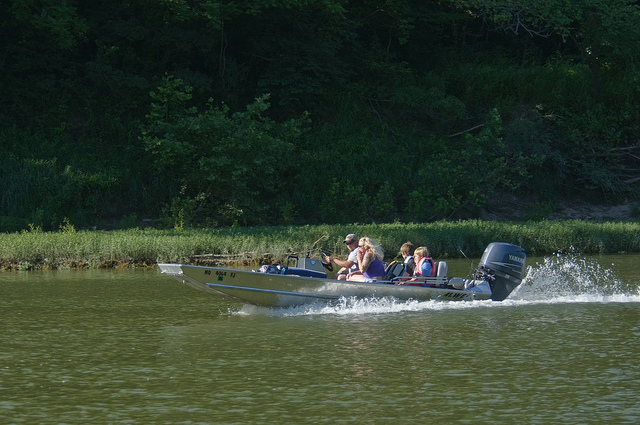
<point>146,247</point>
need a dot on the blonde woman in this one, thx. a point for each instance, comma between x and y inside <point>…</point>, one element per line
<point>370,265</point>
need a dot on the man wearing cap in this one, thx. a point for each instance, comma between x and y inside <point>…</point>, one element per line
<point>351,263</point>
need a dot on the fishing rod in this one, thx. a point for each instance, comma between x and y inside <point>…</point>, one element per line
<point>472,270</point>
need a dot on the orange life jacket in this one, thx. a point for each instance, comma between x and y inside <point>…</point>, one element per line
<point>418,271</point>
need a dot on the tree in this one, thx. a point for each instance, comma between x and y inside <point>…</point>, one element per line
<point>231,163</point>
<point>602,31</point>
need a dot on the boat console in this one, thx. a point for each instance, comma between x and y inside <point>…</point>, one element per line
<point>305,267</point>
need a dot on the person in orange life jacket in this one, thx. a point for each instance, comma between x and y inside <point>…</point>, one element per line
<point>370,265</point>
<point>425,266</point>
<point>406,250</point>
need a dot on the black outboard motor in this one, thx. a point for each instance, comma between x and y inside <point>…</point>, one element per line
<point>503,266</point>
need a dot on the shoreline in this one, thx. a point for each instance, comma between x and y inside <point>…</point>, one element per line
<point>248,246</point>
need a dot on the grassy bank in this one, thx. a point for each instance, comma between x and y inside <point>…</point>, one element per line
<point>248,245</point>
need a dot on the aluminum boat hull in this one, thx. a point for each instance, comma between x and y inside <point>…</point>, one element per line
<point>276,290</point>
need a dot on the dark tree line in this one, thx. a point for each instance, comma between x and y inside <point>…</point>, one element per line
<point>210,112</point>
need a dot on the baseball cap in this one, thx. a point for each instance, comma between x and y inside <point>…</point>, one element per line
<point>350,238</point>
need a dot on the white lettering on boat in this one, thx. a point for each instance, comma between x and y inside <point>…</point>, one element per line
<point>516,259</point>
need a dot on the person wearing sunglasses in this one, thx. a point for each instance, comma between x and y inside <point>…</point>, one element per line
<point>370,265</point>
<point>351,263</point>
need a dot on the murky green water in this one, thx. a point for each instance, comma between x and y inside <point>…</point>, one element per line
<point>136,347</point>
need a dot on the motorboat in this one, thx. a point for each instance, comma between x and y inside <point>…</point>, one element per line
<point>305,280</point>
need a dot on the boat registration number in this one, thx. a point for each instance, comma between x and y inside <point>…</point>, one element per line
<point>220,273</point>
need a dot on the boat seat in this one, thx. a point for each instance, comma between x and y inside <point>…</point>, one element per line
<point>441,269</point>
<point>394,269</point>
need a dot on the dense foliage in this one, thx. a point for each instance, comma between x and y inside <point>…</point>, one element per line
<point>221,112</point>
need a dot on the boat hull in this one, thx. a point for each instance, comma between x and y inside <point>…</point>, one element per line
<point>277,290</point>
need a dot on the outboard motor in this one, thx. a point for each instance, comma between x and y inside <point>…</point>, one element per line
<point>503,266</point>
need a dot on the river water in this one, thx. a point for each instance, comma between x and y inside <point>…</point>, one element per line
<point>137,347</point>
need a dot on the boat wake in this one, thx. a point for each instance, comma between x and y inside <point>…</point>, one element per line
<point>561,278</point>
<point>568,278</point>
<point>358,306</point>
